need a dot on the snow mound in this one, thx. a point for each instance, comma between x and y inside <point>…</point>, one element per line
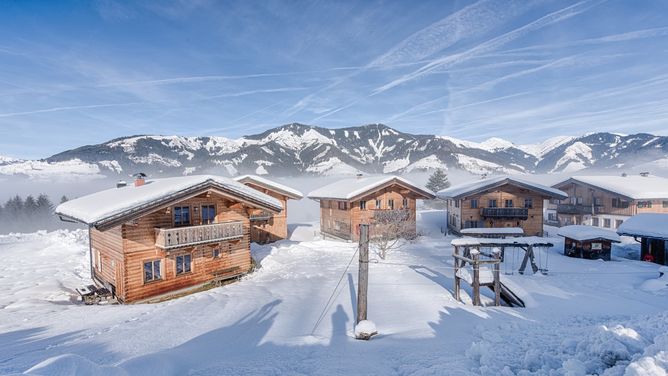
<point>365,329</point>
<point>71,364</point>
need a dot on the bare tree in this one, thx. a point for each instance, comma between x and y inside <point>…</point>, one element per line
<point>389,228</point>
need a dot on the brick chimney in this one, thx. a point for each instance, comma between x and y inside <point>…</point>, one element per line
<point>140,179</point>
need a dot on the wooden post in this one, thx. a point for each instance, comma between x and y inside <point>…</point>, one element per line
<point>497,278</point>
<point>457,279</point>
<point>476,277</point>
<point>363,279</point>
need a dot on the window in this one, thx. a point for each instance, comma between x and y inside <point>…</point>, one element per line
<point>606,222</point>
<point>474,204</point>
<point>509,204</point>
<point>492,203</point>
<point>528,203</point>
<point>98,260</point>
<point>208,214</point>
<point>390,204</point>
<point>183,264</point>
<point>665,204</point>
<point>378,203</point>
<point>456,203</point>
<point>644,204</point>
<point>619,203</point>
<point>618,222</point>
<point>595,222</point>
<point>362,205</point>
<point>578,200</point>
<point>152,271</point>
<point>216,253</point>
<point>343,205</point>
<point>470,224</point>
<point>181,215</point>
<point>404,203</point>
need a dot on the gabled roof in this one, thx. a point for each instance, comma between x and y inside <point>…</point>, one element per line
<point>107,208</point>
<point>635,187</point>
<point>582,232</point>
<point>353,188</point>
<point>648,225</point>
<point>270,185</point>
<point>477,186</point>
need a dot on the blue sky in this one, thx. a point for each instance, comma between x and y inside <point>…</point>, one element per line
<point>82,72</point>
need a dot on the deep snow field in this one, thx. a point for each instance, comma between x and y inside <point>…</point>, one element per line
<point>582,317</point>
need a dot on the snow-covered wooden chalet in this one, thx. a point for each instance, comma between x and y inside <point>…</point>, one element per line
<point>347,203</point>
<point>651,230</point>
<point>162,236</point>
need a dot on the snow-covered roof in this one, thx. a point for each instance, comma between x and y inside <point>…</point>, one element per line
<point>114,203</point>
<point>493,230</point>
<point>633,186</point>
<point>348,189</point>
<point>507,242</point>
<point>477,186</point>
<point>649,225</point>
<point>271,185</point>
<point>583,232</point>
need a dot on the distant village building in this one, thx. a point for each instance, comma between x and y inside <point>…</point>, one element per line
<point>607,201</point>
<point>347,203</point>
<point>588,242</point>
<point>161,236</point>
<point>498,202</point>
<point>651,230</point>
<point>267,227</point>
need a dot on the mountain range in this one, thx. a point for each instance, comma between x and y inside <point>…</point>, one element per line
<point>297,149</point>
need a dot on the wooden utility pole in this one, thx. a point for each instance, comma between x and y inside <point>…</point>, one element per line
<point>363,280</point>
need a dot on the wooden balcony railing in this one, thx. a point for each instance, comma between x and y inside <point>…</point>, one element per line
<point>261,216</point>
<point>518,213</point>
<point>168,238</point>
<point>578,209</point>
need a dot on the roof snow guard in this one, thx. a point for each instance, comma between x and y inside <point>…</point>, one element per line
<point>645,225</point>
<point>472,188</point>
<point>354,188</point>
<point>270,185</point>
<point>108,208</point>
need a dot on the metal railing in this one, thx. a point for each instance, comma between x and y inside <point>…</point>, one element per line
<point>167,238</point>
<point>520,213</point>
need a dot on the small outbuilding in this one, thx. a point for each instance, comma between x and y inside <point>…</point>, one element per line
<point>651,230</point>
<point>588,242</point>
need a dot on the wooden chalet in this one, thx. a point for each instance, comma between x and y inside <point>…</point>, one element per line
<point>651,230</point>
<point>607,201</point>
<point>498,202</point>
<point>168,235</point>
<point>347,203</point>
<point>588,242</point>
<point>267,227</point>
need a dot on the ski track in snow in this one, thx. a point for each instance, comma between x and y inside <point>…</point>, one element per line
<point>581,316</point>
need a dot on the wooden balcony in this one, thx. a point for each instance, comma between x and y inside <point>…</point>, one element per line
<point>578,209</point>
<point>261,216</point>
<point>170,238</point>
<point>515,213</point>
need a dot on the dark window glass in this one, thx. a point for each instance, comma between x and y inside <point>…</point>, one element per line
<point>492,203</point>
<point>378,203</point>
<point>606,222</point>
<point>208,214</point>
<point>594,222</point>
<point>152,270</point>
<point>665,204</point>
<point>390,204</point>
<point>183,264</point>
<point>474,204</point>
<point>528,203</point>
<point>509,203</point>
<point>405,203</point>
<point>363,205</point>
<point>181,215</point>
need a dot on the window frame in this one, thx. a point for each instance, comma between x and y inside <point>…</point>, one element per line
<point>180,208</point>
<point>183,264</point>
<point>201,213</point>
<point>492,203</point>
<point>379,203</point>
<point>506,202</point>
<point>473,203</point>
<point>153,269</point>
<point>607,223</point>
<point>404,203</point>
<point>390,203</point>
<point>528,201</point>
<point>362,204</point>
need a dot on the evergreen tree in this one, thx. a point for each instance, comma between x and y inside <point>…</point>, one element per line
<point>29,207</point>
<point>438,181</point>
<point>44,205</point>
<point>64,199</point>
<point>14,206</point>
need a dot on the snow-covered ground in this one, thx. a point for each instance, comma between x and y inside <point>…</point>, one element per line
<point>583,317</point>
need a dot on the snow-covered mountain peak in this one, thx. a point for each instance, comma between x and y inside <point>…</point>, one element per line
<point>496,143</point>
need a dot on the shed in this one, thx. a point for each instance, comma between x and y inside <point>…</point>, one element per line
<point>651,230</point>
<point>588,242</point>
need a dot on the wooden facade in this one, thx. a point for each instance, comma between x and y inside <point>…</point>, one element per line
<point>340,218</point>
<point>213,244</point>
<point>504,206</point>
<point>265,226</point>
<point>591,205</point>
